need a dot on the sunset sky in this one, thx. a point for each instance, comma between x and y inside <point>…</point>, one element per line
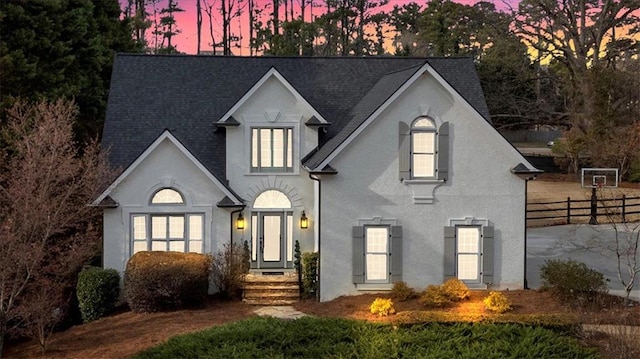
<point>186,41</point>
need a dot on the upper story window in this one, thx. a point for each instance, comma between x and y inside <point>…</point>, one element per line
<point>423,148</point>
<point>167,196</point>
<point>271,150</point>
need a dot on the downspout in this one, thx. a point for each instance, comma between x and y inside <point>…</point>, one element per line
<point>319,219</point>
<point>526,190</point>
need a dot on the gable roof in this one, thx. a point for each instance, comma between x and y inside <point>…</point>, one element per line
<point>231,198</point>
<point>272,73</point>
<point>188,94</point>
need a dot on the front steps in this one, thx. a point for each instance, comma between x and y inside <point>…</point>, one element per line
<point>271,289</point>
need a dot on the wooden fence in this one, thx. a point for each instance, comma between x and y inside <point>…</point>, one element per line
<point>574,211</point>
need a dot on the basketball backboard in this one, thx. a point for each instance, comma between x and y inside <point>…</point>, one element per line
<point>599,178</point>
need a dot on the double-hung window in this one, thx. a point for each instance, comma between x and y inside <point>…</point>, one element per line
<point>271,150</point>
<point>423,148</point>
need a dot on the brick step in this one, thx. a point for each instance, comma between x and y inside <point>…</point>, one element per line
<point>274,302</point>
<point>271,288</point>
<point>268,294</point>
<point>250,278</point>
<point>270,285</point>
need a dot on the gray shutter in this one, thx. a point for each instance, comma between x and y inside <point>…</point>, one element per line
<point>404,151</point>
<point>449,252</point>
<point>396,254</point>
<point>358,254</point>
<point>487,255</point>
<point>443,152</point>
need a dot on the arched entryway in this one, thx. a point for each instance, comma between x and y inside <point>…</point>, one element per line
<point>272,231</point>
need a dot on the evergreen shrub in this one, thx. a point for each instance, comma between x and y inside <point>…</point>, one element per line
<point>158,281</point>
<point>98,291</point>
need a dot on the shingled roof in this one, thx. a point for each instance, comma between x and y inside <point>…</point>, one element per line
<point>188,94</point>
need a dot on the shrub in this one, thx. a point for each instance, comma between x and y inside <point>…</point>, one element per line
<point>98,291</point>
<point>401,291</point>
<point>155,281</point>
<point>382,307</point>
<point>435,296</point>
<point>229,267</point>
<point>572,281</point>
<point>309,272</point>
<point>456,289</point>
<point>497,302</point>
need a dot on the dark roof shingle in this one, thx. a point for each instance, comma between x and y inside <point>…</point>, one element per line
<point>188,94</point>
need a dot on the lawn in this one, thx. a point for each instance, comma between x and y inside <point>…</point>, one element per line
<point>310,337</point>
<point>123,334</point>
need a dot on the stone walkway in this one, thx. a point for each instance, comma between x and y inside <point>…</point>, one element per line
<point>282,312</point>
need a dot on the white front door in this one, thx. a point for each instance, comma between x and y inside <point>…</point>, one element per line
<point>271,238</point>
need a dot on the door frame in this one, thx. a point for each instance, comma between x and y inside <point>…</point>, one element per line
<point>258,241</point>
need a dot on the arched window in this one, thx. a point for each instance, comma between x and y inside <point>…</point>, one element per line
<point>164,229</point>
<point>272,199</point>
<point>423,148</point>
<point>167,196</point>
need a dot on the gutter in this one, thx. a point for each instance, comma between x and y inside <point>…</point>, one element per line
<point>315,177</point>
<point>527,175</point>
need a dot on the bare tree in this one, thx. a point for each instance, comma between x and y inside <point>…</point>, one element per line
<point>47,230</point>
<point>198,24</point>
<point>626,245</point>
<point>208,9</point>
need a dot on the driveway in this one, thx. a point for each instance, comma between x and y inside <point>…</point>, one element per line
<point>592,245</point>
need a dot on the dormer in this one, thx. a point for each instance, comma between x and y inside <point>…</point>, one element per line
<point>270,128</point>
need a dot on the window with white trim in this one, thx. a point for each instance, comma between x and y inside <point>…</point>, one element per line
<point>167,232</point>
<point>176,232</point>
<point>423,148</point>
<point>271,150</point>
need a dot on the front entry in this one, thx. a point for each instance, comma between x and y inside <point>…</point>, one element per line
<point>272,231</point>
<point>271,241</point>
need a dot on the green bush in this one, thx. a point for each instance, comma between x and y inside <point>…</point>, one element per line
<point>229,267</point>
<point>382,307</point>
<point>309,273</point>
<point>310,337</point>
<point>572,281</point>
<point>435,296</point>
<point>98,291</point>
<point>497,302</point>
<point>456,289</point>
<point>401,291</point>
<point>156,281</point>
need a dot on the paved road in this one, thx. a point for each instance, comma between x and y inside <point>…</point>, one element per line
<point>592,245</point>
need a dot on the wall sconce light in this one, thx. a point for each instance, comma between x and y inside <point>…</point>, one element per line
<point>240,221</point>
<point>304,221</point>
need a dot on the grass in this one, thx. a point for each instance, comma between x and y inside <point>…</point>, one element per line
<point>310,337</point>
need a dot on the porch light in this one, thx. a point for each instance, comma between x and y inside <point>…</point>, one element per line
<point>240,221</point>
<point>304,221</point>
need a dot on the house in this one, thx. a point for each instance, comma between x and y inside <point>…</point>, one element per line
<point>392,163</point>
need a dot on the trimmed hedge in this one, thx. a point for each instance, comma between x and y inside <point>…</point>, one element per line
<point>563,322</point>
<point>159,281</point>
<point>98,291</point>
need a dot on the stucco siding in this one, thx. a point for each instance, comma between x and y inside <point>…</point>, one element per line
<point>165,167</point>
<point>479,186</point>
<point>274,105</point>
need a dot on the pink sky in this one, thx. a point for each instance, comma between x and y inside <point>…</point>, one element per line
<point>186,40</point>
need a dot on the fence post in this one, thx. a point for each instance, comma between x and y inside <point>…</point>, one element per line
<point>594,207</point>
<point>568,210</point>
<point>624,211</point>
